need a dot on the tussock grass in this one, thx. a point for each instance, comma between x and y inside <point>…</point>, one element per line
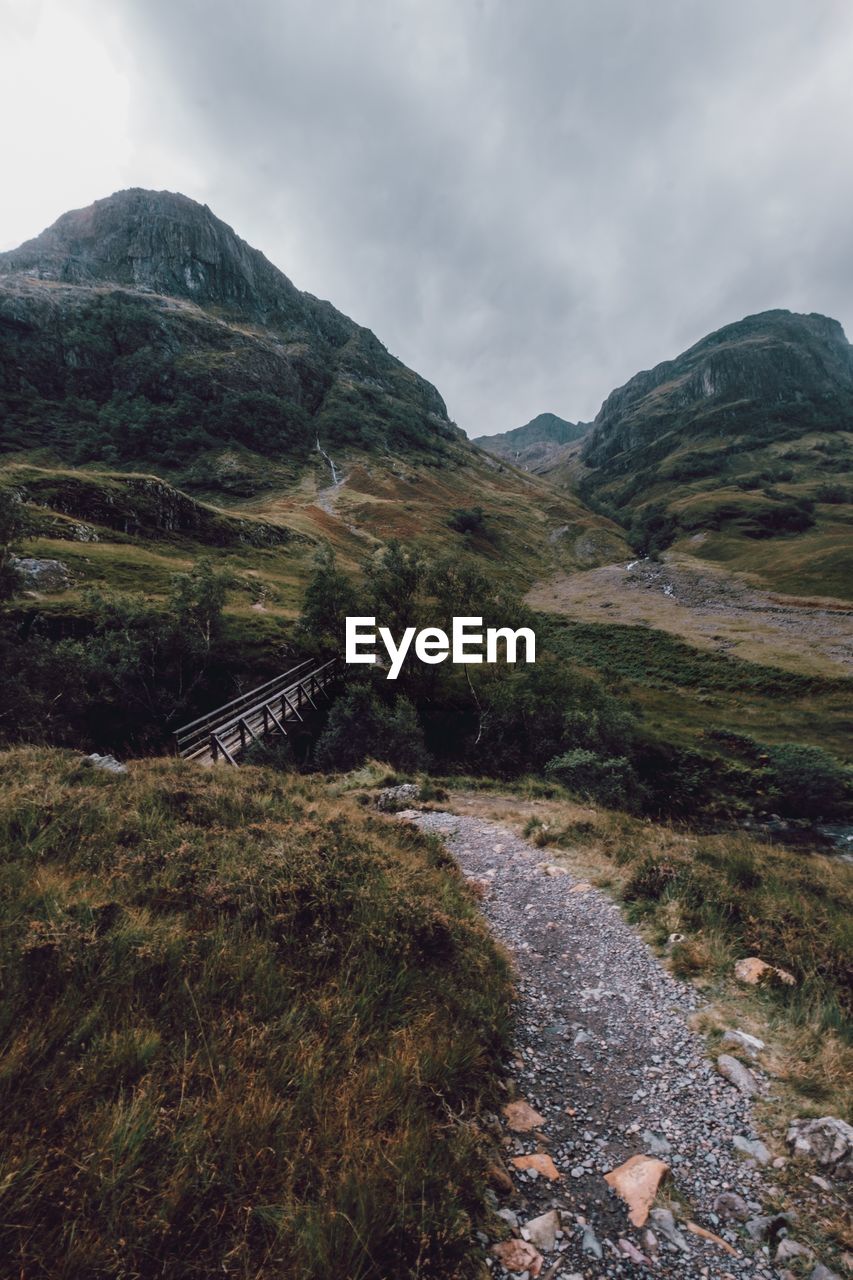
<point>245,1029</point>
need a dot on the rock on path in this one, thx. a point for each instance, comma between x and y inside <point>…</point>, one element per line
<point>604,1054</point>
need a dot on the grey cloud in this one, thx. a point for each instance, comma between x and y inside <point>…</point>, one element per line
<point>526,202</point>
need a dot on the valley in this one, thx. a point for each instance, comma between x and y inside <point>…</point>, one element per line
<point>710,608</point>
<point>317,1012</point>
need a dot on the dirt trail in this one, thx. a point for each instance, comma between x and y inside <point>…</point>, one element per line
<point>605,1055</point>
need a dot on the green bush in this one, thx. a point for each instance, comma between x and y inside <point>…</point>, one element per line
<point>610,780</point>
<point>360,726</point>
<point>468,520</point>
<point>806,782</point>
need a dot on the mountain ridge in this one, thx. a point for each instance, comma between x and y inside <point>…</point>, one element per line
<point>533,446</point>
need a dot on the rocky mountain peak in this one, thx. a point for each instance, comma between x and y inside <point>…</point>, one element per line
<point>773,358</point>
<point>160,242</point>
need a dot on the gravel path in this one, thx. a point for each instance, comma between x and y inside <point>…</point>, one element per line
<point>604,1053</point>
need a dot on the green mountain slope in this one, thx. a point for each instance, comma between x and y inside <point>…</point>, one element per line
<point>739,450</point>
<point>165,391</point>
<point>142,329</point>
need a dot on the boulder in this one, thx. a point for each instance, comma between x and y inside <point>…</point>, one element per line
<point>828,1141</point>
<point>42,575</point>
<point>521,1117</point>
<point>664,1225</point>
<point>590,1242</point>
<point>752,1150</point>
<point>540,1163</point>
<point>753,971</point>
<point>519,1256</point>
<point>729,1205</point>
<point>108,764</point>
<point>790,1249</point>
<point>393,798</point>
<point>737,1074</point>
<point>743,1043</point>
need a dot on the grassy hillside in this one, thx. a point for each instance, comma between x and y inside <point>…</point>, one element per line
<point>685,693</point>
<point>740,451</point>
<point>133,531</point>
<point>245,1027</point>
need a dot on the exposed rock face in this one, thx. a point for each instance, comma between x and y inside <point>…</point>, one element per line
<point>163,242</point>
<point>42,575</point>
<point>137,505</point>
<point>756,365</point>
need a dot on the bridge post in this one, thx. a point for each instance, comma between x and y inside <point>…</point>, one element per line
<point>213,747</point>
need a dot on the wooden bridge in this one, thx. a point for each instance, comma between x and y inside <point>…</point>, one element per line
<point>285,701</point>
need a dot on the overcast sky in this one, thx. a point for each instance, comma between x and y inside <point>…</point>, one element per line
<point>527,200</point>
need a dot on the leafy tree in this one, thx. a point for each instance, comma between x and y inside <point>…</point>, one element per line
<point>394,582</point>
<point>611,780</point>
<point>652,530</point>
<point>806,782</point>
<point>329,599</point>
<point>11,528</point>
<point>360,726</point>
<point>197,601</point>
<point>141,669</point>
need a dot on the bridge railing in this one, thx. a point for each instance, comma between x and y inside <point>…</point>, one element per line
<point>227,731</point>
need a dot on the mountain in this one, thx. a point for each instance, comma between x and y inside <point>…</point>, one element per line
<point>165,390</point>
<point>534,446</point>
<point>738,450</point>
<point>143,329</point>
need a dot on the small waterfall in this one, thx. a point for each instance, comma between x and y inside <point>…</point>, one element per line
<point>336,479</point>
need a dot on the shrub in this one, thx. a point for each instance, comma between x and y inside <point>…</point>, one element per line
<point>832,493</point>
<point>360,726</point>
<point>652,878</point>
<point>468,520</point>
<point>610,780</point>
<point>807,782</point>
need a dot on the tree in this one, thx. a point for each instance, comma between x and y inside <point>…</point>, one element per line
<point>361,726</point>
<point>12,525</point>
<point>197,600</point>
<point>808,783</point>
<point>394,583</point>
<point>329,599</point>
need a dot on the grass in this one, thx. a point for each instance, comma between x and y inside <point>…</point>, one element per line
<point>246,1029</point>
<point>684,691</point>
